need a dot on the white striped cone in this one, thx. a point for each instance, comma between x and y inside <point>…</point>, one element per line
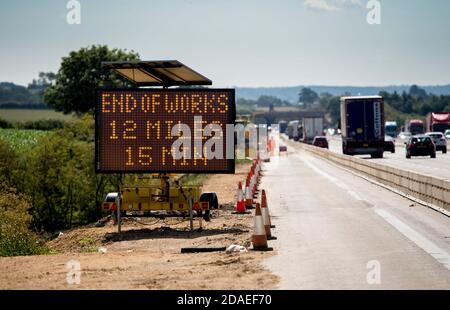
<point>248,197</point>
<point>240,203</point>
<point>259,238</point>
<point>240,196</point>
<point>266,220</point>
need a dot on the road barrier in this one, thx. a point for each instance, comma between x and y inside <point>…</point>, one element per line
<point>430,189</point>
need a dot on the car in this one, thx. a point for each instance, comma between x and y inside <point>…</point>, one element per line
<point>404,135</point>
<point>389,144</point>
<point>439,141</point>
<point>320,141</point>
<point>420,145</point>
<point>447,134</point>
<point>283,148</point>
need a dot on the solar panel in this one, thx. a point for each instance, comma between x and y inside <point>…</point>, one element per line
<point>158,73</point>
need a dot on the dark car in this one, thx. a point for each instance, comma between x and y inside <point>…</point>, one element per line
<point>283,148</point>
<point>389,144</point>
<point>420,146</point>
<point>320,141</point>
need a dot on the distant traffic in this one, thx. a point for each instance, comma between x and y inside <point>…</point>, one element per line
<point>363,130</point>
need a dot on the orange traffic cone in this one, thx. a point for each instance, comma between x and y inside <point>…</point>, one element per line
<point>265,205</point>
<point>259,238</point>
<point>240,203</point>
<point>248,195</point>
<point>266,219</point>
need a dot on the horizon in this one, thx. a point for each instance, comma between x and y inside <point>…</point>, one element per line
<point>305,42</point>
<point>304,85</point>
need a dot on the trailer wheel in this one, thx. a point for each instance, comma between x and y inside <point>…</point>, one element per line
<point>207,216</point>
<point>211,198</point>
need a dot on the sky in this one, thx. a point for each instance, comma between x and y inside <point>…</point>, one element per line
<point>241,43</point>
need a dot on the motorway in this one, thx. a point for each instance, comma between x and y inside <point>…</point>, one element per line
<point>338,231</point>
<point>439,166</point>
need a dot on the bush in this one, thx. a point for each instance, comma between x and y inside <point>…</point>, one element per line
<point>15,236</point>
<point>58,174</point>
<point>8,163</point>
<point>61,178</point>
<point>43,124</point>
<point>5,124</point>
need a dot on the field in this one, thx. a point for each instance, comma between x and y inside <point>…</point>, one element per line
<point>23,115</point>
<point>21,139</point>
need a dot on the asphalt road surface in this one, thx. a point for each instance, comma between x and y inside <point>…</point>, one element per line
<point>338,231</point>
<point>439,166</point>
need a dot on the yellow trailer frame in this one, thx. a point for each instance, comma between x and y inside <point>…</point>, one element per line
<point>171,197</point>
<point>162,198</point>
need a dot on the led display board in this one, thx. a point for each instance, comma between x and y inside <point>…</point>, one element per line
<point>164,130</point>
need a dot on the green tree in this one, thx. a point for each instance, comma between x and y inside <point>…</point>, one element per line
<point>331,104</point>
<point>80,74</point>
<point>266,101</point>
<point>307,97</point>
<point>417,92</point>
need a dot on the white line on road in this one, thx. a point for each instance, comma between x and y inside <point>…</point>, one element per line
<point>428,246</point>
<point>323,173</point>
<point>355,195</point>
<point>336,181</point>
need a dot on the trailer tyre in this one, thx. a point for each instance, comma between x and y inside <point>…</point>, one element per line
<point>211,198</point>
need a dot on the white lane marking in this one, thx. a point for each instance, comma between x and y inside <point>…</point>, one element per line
<point>336,181</point>
<point>355,195</point>
<point>323,173</point>
<point>428,246</point>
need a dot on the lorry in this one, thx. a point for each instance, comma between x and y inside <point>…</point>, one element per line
<point>312,127</point>
<point>292,130</point>
<point>438,121</point>
<point>362,129</point>
<point>283,126</point>
<point>414,126</point>
<point>391,129</point>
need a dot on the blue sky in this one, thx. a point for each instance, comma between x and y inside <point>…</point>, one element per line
<point>241,43</point>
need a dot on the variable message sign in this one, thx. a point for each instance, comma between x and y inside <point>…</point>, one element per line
<point>146,130</point>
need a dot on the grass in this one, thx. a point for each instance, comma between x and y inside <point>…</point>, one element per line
<point>21,139</point>
<point>23,115</point>
<point>88,244</point>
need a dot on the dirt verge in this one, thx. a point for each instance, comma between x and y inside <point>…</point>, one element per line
<point>146,255</point>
